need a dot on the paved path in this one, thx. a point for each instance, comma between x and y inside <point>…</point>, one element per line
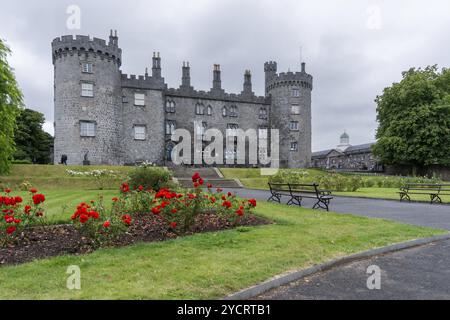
<point>422,214</point>
<point>418,273</point>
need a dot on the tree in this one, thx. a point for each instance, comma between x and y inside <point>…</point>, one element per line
<point>32,142</point>
<point>10,104</point>
<point>414,119</point>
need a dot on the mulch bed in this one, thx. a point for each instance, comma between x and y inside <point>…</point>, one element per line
<point>49,241</point>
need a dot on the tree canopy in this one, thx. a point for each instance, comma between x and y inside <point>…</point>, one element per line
<point>10,104</point>
<point>414,119</point>
<point>32,142</point>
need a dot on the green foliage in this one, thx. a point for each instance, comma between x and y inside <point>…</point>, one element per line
<point>10,104</point>
<point>33,144</point>
<point>414,119</point>
<point>149,177</point>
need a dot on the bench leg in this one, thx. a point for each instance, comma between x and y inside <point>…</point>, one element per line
<point>274,198</point>
<point>322,204</point>
<point>295,201</point>
<point>435,198</point>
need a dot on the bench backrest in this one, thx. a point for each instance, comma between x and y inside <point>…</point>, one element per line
<point>304,188</point>
<point>426,187</point>
<point>279,187</point>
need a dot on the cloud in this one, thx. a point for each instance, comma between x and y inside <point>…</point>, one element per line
<point>353,48</point>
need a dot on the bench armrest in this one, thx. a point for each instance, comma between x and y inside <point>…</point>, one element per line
<point>325,192</point>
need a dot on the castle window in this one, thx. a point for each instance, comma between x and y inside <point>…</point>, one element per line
<point>87,67</point>
<point>209,111</point>
<point>139,132</point>
<point>199,109</point>
<point>224,111</point>
<point>296,92</point>
<point>139,99</point>
<point>295,110</point>
<point>170,127</point>
<point>263,113</point>
<point>87,129</point>
<point>293,126</point>
<point>233,111</point>
<point>170,107</point>
<point>87,89</point>
<point>200,130</point>
<point>294,146</point>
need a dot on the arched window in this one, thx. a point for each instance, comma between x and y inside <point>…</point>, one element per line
<point>233,111</point>
<point>170,106</point>
<point>263,113</point>
<point>224,111</point>
<point>209,110</point>
<point>199,109</point>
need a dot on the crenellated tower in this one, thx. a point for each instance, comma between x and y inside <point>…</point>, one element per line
<point>87,99</point>
<point>290,113</point>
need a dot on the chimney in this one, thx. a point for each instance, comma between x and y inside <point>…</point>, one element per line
<point>156,69</point>
<point>186,75</point>
<point>217,82</point>
<point>303,67</point>
<point>247,82</point>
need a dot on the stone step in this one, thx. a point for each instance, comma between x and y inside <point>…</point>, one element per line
<point>205,173</point>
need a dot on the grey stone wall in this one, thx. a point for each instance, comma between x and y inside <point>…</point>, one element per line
<point>70,107</point>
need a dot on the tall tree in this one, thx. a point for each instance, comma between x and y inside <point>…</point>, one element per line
<point>414,119</point>
<point>10,104</point>
<point>32,142</point>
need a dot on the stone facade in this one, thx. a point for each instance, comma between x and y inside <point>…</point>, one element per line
<point>109,117</point>
<point>347,157</point>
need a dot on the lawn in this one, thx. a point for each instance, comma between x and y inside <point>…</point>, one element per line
<point>386,193</point>
<point>210,265</point>
<point>56,177</point>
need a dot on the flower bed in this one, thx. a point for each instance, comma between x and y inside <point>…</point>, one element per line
<point>135,216</point>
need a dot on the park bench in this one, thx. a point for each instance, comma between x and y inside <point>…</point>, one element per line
<point>298,192</point>
<point>435,191</point>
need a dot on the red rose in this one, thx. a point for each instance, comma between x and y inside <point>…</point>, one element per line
<point>33,190</point>
<point>156,210</point>
<point>39,214</point>
<point>11,229</point>
<point>140,188</point>
<point>252,202</point>
<point>17,221</point>
<point>27,209</point>
<point>226,204</point>
<point>213,200</point>
<point>107,224</point>
<point>229,194</point>
<point>174,210</point>
<point>84,218</point>
<point>196,177</point>
<point>219,190</point>
<point>224,198</point>
<point>94,214</point>
<point>115,199</point>
<point>200,181</point>
<point>196,184</point>
<point>18,199</point>
<point>173,225</point>
<point>126,219</point>
<point>125,187</point>
<point>9,219</point>
<point>38,198</point>
<point>192,196</point>
<point>240,212</point>
<point>8,190</point>
<point>209,185</point>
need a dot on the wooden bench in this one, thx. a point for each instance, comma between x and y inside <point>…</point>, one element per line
<point>435,191</point>
<point>298,192</point>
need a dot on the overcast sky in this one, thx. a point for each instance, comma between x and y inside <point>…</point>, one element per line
<point>353,48</point>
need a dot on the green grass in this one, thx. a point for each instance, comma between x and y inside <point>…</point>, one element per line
<point>209,265</point>
<point>386,193</point>
<point>60,204</point>
<point>56,177</point>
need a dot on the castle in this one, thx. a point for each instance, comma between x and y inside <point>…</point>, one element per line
<point>103,116</point>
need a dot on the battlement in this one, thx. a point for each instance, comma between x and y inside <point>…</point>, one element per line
<point>217,95</point>
<point>144,82</point>
<point>84,44</point>
<point>301,79</point>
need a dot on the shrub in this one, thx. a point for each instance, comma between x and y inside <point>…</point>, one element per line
<point>21,162</point>
<point>98,224</point>
<point>101,176</point>
<point>15,215</point>
<point>149,177</point>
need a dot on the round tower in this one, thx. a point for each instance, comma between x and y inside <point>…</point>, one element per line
<point>290,113</point>
<point>87,99</point>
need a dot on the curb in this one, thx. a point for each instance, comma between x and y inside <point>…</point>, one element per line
<point>289,277</point>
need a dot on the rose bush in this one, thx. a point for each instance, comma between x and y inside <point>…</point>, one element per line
<point>16,214</point>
